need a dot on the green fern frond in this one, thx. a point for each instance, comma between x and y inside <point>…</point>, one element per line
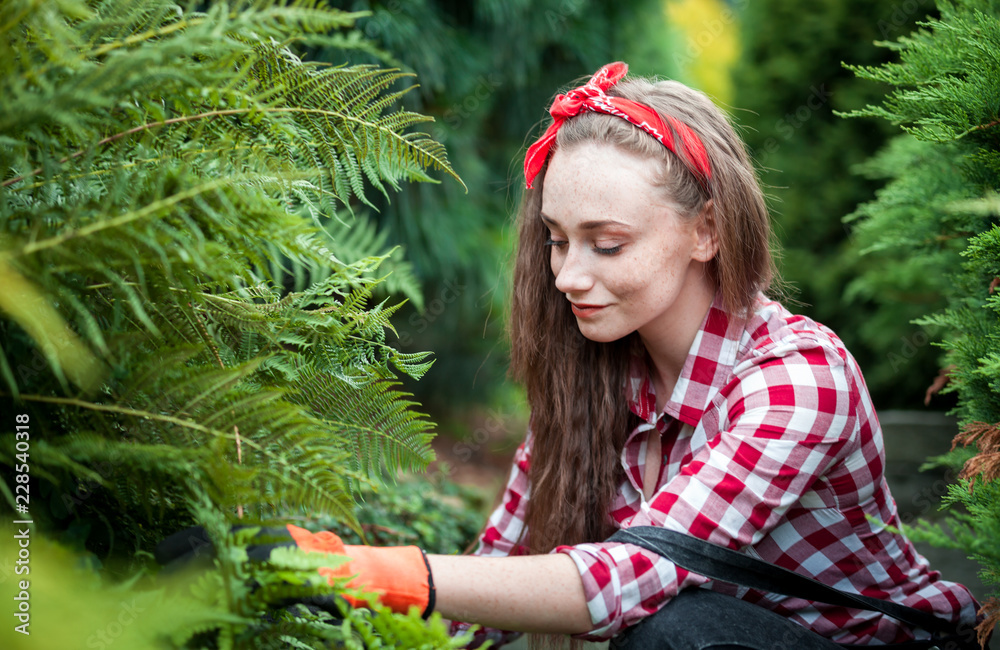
<point>376,420</point>
<point>170,182</point>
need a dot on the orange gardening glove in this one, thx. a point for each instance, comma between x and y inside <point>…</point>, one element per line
<point>400,575</point>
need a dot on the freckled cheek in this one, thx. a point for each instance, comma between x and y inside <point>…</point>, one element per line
<point>628,285</point>
<point>647,288</point>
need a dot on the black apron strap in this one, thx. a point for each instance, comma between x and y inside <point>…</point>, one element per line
<point>718,563</point>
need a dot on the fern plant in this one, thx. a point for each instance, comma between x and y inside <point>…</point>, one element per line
<point>181,331</point>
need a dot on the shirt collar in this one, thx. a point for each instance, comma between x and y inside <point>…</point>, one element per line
<point>708,367</point>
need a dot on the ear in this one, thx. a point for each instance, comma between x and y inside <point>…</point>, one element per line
<point>707,239</point>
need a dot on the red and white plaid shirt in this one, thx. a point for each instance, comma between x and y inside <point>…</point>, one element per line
<point>770,447</point>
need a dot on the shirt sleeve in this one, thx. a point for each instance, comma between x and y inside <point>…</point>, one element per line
<point>786,418</point>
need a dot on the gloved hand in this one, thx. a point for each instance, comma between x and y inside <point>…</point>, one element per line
<point>400,575</point>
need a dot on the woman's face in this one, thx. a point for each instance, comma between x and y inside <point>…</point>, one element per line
<point>624,258</point>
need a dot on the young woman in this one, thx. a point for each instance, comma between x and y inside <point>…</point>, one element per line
<point>667,390</point>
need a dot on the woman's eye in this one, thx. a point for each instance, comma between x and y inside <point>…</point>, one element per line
<point>555,242</point>
<point>607,251</point>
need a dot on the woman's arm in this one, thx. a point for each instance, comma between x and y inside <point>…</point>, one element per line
<point>533,593</point>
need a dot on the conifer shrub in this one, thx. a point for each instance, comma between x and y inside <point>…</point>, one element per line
<point>935,226</point>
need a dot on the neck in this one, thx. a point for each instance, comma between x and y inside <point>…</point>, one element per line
<point>668,340</point>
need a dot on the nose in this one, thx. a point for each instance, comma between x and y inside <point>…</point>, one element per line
<point>572,272</point>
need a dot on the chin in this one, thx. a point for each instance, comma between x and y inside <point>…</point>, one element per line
<point>598,335</point>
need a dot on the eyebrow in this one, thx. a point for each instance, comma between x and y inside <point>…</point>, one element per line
<point>588,225</point>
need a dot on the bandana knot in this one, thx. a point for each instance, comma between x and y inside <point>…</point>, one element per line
<point>592,96</point>
<point>573,102</point>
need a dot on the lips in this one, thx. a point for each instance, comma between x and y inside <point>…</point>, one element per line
<point>581,310</point>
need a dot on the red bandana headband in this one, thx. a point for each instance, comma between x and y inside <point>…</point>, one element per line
<point>592,97</point>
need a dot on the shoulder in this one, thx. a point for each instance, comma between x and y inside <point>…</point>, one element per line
<point>794,380</point>
<point>790,363</point>
<point>774,333</point>
<point>774,359</point>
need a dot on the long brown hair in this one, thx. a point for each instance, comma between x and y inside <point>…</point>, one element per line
<point>580,417</point>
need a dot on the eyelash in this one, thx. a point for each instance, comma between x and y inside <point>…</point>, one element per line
<point>597,249</point>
